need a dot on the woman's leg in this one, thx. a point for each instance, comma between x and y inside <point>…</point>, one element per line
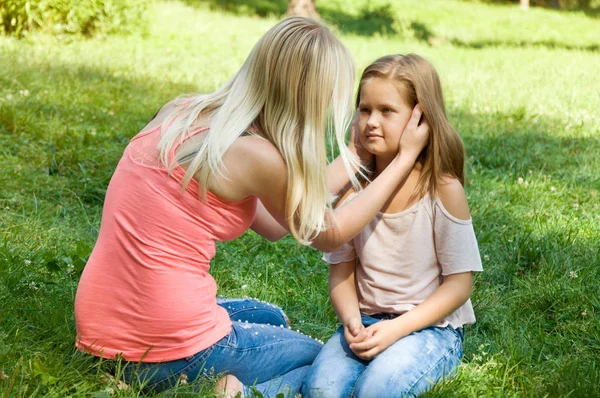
<point>254,311</point>
<point>258,353</point>
<point>413,364</point>
<point>254,353</point>
<point>335,371</point>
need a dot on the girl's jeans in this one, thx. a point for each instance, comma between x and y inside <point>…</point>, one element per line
<point>261,351</point>
<point>407,368</point>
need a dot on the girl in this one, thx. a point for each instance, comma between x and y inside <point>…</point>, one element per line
<point>252,154</point>
<point>401,287</point>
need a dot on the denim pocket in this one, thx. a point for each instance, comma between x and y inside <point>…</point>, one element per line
<point>460,332</point>
<point>232,338</point>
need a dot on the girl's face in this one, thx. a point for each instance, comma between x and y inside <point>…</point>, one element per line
<point>383,115</point>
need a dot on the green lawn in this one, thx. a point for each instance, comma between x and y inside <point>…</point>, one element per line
<point>522,89</point>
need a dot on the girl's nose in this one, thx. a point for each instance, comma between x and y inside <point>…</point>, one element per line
<point>373,120</point>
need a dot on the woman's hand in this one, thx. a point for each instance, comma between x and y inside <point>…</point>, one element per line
<point>415,135</point>
<point>379,336</point>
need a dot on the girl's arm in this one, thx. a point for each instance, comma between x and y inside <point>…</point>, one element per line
<point>451,295</point>
<point>342,292</point>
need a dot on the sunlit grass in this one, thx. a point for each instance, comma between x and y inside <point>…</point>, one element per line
<point>528,115</point>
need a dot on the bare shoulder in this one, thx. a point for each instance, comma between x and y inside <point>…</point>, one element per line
<point>161,115</point>
<point>255,163</point>
<point>452,195</point>
<point>261,152</point>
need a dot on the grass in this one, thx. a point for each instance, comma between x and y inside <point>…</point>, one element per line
<point>521,88</point>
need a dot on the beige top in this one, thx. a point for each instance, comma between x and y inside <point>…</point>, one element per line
<point>404,255</point>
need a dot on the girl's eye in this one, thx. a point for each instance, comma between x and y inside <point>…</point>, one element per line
<point>363,110</point>
<point>387,110</point>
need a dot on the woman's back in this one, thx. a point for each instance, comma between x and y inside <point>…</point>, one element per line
<point>147,283</point>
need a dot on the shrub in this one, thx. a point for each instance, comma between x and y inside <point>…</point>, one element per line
<point>85,17</point>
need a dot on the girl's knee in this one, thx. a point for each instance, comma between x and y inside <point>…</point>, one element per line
<point>387,380</point>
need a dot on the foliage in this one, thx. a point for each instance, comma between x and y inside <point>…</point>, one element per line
<point>85,17</point>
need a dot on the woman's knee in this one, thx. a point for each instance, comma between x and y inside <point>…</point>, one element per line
<point>254,311</point>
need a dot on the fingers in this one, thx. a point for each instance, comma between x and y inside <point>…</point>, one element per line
<point>357,337</point>
<point>416,115</point>
<point>354,128</point>
<point>423,128</point>
<point>365,345</point>
<point>367,355</point>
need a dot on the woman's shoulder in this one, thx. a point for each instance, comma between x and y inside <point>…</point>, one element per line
<point>451,194</point>
<point>256,164</point>
<point>259,150</point>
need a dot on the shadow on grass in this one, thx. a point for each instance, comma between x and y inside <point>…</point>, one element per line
<point>66,143</point>
<point>576,6</point>
<point>262,8</point>
<point>478,44</point>
<point>371,19</point>
<point>516,143</point>
<point>502,146</point>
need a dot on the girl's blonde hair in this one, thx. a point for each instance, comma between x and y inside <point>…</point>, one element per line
<point>444,154</point>
<point>294,89</point>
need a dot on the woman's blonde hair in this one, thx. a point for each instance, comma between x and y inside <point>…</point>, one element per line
<point>294,89</point>
<point>444,153</point>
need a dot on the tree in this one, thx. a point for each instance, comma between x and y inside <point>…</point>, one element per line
<point>304,8</point>
<point>525,4</point>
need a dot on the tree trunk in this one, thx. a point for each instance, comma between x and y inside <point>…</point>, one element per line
<point>304,8</point>
<point>525,4</point>
<point>555,4</point>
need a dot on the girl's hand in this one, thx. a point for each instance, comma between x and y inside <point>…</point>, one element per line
<point>354,331</point>
<point>380,336</point>
<point>415,135</point>
<point>355,146</point>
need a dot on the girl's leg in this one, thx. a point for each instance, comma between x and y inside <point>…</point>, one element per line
<point>335,371</point>
<point>413,364</point>
<point>254,311</point>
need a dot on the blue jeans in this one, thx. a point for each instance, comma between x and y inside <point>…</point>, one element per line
<point>407,368</point>
<point>261,351</point>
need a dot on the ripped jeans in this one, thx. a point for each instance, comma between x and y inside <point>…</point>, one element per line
<point>261,351</point>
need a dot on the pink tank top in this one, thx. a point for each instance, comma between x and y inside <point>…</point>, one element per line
<point>146,292</point>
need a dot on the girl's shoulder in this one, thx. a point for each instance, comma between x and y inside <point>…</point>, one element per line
<point>452,195</point>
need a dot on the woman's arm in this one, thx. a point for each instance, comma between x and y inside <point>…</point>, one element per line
<point>266,226</point>
<point>339,183</point>
<point>255,167</point>
<point>347,220</point>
